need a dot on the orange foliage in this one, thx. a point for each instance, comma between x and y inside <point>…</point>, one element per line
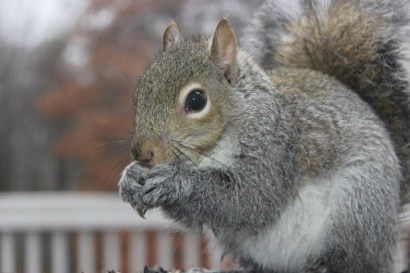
<point>94,104</point>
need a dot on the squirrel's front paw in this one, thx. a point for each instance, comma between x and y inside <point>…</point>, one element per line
<point>130,186</point>
<point>159,187</point>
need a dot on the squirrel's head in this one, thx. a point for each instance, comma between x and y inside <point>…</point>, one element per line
<point>184,100</point>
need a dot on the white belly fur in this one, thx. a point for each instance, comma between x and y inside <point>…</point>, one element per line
<point>296,235</point>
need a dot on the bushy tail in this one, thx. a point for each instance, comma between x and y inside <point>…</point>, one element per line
<point>359,42</point>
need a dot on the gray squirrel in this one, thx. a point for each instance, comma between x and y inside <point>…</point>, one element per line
<point>293,151</point>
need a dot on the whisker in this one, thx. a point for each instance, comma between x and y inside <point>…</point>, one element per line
<point>131,83</point>
<point>102,123</point>
<point>179,236</point>
<point>113,142</point>
<point>121,163</point>
<point>185,155</point>
<point>182,144</point>
<point>177,156</point>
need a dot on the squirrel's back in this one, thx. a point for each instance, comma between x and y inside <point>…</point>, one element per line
<point>360,43</point>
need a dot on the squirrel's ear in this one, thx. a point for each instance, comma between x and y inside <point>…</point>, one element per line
<point>224,49</point>
<point>171,36</point>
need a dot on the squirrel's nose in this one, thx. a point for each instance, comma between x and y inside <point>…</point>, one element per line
<point>145,156</point>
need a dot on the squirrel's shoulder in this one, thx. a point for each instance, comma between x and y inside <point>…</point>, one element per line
<point>301,84</point>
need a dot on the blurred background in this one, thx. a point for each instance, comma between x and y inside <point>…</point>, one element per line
<point>68,70</point>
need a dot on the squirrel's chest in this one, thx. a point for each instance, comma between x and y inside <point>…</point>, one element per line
<point>298,233</point>
<point>222,155</point>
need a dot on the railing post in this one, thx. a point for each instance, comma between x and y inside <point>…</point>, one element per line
<point>86,252</point>
<point>32,259</point>
<point>59,252</point>
<point>164,250</point>
<point>137,253</point>
<point>191,252</point>
<point>111,248</point>
<point>8,253</point>
<point>214,255</point>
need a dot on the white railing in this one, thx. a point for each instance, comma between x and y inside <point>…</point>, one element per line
<point>26,217</point>
<point>29,215</point>
<point>401,257</point>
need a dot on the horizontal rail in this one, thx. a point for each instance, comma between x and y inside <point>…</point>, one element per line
<point>73,210</point>
<point>85,213</point>
<point>405,215</point>
<point>85,222</point>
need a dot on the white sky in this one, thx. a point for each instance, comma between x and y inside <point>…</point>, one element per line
<point>28,22</point>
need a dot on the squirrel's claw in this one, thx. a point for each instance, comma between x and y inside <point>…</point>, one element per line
<point>141,211</point>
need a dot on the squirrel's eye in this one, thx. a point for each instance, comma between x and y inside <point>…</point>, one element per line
<point>195,101</point>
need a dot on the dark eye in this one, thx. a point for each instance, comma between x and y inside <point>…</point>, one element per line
<point>195,101</point>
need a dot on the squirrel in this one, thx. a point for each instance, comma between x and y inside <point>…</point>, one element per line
<point>293,149</point>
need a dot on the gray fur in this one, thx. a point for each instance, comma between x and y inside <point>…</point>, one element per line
<point>311,177</point>
<point>388,92</point>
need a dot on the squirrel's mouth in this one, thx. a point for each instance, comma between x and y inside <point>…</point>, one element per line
<point>149,152</point>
